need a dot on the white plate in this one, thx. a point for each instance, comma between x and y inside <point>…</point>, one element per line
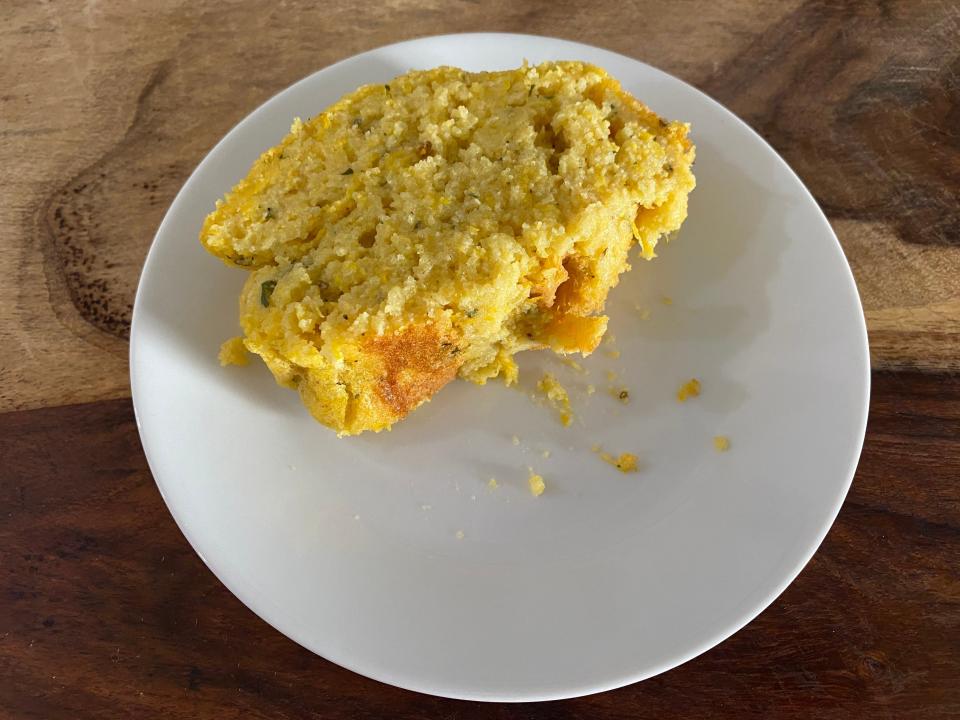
<point>350,547</point>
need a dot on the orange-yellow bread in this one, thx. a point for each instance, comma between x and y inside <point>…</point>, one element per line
<point>437,225</point>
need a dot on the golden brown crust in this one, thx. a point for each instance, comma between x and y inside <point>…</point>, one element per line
<point>415,363</point>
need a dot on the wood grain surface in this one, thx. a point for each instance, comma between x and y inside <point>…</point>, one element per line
<point>105,108</point>
<point>105,611</point>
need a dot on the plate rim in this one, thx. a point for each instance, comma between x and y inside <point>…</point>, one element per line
<point>624,678</point>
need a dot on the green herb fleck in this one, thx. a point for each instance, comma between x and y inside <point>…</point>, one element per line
<point>530,91</point>
<point>270,214</point>
<point>266,291</point>
<point>348,171</point>
<point>387,88</point>
<point>472,313</point>
<point>473,195</point>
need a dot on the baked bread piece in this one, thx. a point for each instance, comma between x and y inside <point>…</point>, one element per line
<point>437,225</point>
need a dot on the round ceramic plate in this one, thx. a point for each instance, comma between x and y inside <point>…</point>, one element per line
<point>391,555</point>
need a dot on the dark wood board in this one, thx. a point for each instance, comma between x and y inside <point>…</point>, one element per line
<point>105,108</point>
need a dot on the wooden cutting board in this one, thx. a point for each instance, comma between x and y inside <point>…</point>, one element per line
<point>105,108</point>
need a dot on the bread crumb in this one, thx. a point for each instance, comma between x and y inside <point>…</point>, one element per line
<point>666,300</point>
<point>691,388</point>
<point>591,389</point>
<point>515,440</point>
<point>460,535</point>
<point>546,454</point>
<point>621,394</point>
<point>643,312</point>
<point>573,364</point>
<point>558,397</point>
<point>233,352</point>
<point>537,486</point>
<point>721,443</point>
<point>611,375</point>
<point>625,463</point>
<point>493,484</point>
<point>613,354</point>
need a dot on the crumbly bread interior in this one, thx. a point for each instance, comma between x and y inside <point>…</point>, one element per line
<point>437,225</point>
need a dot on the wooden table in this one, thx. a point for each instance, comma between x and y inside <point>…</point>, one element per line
<point>105,108</point>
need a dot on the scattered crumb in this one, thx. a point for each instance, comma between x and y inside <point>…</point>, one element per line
<point>721,443</point>
<point>233,352</point>
<point>621,394</point>
<point>573,364</point>
<point>644,312</point>
<point>627,462</point>
<point>460,535</point>
<point>611,376</point>
<point>546,454</point>
<point>515,440</point>
<point>493,484</point>
<point>691,388</point>
<point>595,447</point>
<point>591,389</point>
<point>666,300</point>
<point>557,396</point>
<point>613,354</point>
<point>609,339</point>
<point>537,486</point>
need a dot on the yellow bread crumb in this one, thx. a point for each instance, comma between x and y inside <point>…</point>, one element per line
<point>537,486</point>
<point>613,354</point>
<point>573,364</point>
<point>689,389</point>
<point>233,352</point>
<point>666,300</point>
<point>515,440</point>
<point>558,397</point>
<point>460,535</point>
<point>721,443</point>
<point>434,227</point>
<point>591,389</point>
<point>625,463</point>
<point>493,484</point>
